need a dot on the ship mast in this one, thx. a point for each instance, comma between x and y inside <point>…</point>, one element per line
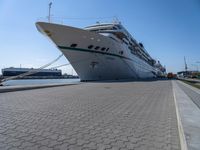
<point>49,16</point>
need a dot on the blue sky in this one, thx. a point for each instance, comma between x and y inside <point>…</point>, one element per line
<point>169,30</point>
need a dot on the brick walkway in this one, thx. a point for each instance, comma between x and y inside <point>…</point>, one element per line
<point>124,115</point>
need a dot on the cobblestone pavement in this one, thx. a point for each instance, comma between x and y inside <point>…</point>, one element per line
<point>195,97</point>
<point>123,115</point>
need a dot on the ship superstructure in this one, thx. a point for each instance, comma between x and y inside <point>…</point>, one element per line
<point>104,51</point>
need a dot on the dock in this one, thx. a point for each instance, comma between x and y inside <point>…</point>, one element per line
<point>127,115</point>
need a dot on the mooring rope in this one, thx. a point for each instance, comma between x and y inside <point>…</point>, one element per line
<point>39,69</point>
<point>31,71</point>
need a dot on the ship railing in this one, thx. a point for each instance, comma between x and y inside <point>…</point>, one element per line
<point>56,20</point>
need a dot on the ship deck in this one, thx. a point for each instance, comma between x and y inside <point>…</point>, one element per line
<point>100,115</point>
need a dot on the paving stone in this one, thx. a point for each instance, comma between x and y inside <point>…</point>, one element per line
<point>61,138</point>
<point>63,146</point>
<point>127,115</point>
<point>16,143</point>
<point>45,148</point>
<point>14,148</point>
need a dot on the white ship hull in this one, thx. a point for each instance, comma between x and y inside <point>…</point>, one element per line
<point>91,64</point>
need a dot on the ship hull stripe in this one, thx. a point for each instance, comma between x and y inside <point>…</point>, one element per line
<point>91,51</point>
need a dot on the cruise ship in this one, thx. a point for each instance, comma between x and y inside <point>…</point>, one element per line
<point>103,51</point>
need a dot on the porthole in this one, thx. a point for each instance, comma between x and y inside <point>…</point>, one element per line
<point>103,48</point>
<point>97,47</point>
<point>121,52</point>
<point>73,45</point>
<point>90,46</point>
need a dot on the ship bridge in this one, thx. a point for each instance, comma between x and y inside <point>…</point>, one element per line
<point>112,28</point>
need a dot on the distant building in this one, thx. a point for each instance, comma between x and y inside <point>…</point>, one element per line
<point>68,76</point>
<point>188,74</point>
<point>41,73</point>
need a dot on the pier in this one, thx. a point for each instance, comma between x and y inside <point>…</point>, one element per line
<point>135,115</point>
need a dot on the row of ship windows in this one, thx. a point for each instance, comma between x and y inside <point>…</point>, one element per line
<point>97,48</point>
<point>91,46</point>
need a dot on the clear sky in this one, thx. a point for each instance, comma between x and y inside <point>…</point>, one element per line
<point>169,29</point>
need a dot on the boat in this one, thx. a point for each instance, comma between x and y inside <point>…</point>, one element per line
<point>103,51</point>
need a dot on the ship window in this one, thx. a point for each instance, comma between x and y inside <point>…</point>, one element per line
<point>90,46</point>
<point>97,47</point>
<point>125,42</point>
<point>119,27</point>
<point>113,39</point>
<point>73,45</point>
<point>107,49</point>
<point>103,48</point>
